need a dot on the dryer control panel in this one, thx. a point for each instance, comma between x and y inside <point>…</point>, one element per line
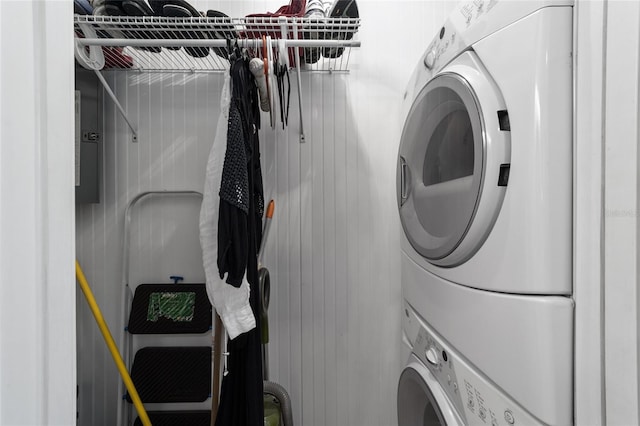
<point>446,44</point>
<point>472,20</point>
<point>477,400</point>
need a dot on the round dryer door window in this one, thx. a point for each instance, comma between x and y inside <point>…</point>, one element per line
<point>449,143</point>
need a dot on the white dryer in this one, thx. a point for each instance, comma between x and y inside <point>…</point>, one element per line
<point>485,200</point>
<point>485,160</point>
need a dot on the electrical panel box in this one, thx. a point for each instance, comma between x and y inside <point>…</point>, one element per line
<point>88,137</point>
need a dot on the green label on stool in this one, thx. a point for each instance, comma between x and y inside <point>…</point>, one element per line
<point>175,306</point>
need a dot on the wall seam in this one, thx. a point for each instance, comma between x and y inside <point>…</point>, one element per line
<point>603,156</point>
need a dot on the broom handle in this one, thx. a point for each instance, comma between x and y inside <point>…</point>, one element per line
<point>217,354</point>
<point>108,338</point>
<point>265,232</point>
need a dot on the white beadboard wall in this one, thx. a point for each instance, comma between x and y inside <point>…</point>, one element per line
<point>175,116</point>
<point>333,250</point>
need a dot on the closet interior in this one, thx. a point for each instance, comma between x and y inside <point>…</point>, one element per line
<point>147,102</point>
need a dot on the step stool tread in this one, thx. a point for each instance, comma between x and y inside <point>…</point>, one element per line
<point>178,418</point>
<point>172,374</point>
<point>170,309</point>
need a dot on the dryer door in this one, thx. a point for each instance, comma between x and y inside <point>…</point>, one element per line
<point>453,163</point>
<point>421,400</point>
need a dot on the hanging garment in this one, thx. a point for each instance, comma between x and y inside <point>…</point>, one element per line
<point>237,191</point>
<point>231,303</point>
<point>241,401</point>
<point>234,202</point>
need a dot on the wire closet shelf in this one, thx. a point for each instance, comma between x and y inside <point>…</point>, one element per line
<point>161,44</point>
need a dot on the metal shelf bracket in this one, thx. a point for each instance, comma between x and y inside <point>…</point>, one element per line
<point>134,137</point>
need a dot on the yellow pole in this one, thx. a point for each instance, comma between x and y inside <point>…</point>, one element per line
<point>112,345</point>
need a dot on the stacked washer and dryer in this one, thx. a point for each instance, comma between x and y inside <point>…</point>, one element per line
<point>485,200</point>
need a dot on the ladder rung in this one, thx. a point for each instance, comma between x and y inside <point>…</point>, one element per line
<point>178,418</point>
<point>172,374</point>
<point>170,309</point>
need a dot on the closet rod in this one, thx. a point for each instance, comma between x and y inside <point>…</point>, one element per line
<point>117,42</point>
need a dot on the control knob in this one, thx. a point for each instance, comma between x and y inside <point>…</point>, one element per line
<point>432,356</point>
<point>430,59</point>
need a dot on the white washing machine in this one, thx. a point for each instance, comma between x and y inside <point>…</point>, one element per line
<point>439,387</point>
<point>485,201</point>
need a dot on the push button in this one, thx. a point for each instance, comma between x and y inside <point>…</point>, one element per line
<point>432,356</point>
<point>482,413</point>
<point>430,60</point>
<point>508,416</point>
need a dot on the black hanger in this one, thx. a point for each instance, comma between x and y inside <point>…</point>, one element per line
<point>229,49</point>
<point>235,52</point>
<point>281,72</point>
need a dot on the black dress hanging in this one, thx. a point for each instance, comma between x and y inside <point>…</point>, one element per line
<point>239,237</point>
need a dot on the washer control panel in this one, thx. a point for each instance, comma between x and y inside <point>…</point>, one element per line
<point>477,400</point>
<point>439,361</point>
<point>439,47</point>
